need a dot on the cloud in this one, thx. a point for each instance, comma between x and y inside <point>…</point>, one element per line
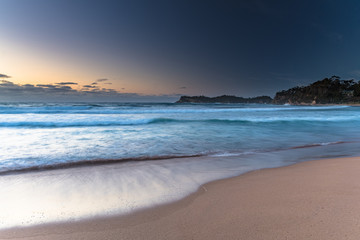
<point>102,80</point>
<point>28,85</point>
<point>10,91</point>
<point>90,86</point>
<point>4,76</point>
<point>5,83</point>
<point>67,83</point>
<point>46,85</point>
<point>182,87</point>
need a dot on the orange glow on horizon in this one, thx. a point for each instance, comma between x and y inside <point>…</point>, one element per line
<point>30,65</point>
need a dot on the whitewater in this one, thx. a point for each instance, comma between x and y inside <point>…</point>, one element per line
<point>71,161</point>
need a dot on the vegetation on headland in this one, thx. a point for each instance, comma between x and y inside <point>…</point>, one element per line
<point>327,91</point>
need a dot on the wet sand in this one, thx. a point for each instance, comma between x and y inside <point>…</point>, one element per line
<point>310,200</point>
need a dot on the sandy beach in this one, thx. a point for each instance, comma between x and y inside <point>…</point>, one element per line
<point>310,200</point>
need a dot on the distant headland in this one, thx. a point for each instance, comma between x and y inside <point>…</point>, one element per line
<point>327,91</point>
<point>224,99</point>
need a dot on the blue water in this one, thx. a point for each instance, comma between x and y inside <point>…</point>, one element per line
<point>49,134</point>
<point>194,143</point>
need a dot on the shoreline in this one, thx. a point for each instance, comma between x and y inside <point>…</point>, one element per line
<point>105,162</point>
<point>326,104</point>
<point>310,200</point>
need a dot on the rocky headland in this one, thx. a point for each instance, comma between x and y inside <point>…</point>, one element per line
<point>327,91</point>
<point>331,90</point>
<point>224,99</point>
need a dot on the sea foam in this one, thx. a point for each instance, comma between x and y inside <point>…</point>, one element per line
<point>73,194</point>
<point>77,193</point>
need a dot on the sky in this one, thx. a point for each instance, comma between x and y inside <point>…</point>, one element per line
<point>113,50</point>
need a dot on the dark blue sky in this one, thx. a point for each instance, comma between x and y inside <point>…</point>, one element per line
<point>245,48</point>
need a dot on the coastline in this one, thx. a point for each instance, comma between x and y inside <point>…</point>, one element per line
<point>326,104</point>
<point>309,200</point>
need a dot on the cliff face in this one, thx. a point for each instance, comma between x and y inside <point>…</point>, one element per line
<point>327,91</point>
<point>224,99</point>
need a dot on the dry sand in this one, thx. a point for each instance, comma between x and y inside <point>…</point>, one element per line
<point>310,200</point>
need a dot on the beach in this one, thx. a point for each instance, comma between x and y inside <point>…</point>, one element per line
<point>157,170</point>
<point>309,200</point>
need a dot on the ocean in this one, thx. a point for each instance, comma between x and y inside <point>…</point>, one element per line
<point>72,161</point>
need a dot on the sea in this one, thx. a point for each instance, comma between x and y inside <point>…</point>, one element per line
<point>63,162</point>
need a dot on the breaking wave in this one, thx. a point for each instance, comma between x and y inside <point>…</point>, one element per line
<point>143,121</point>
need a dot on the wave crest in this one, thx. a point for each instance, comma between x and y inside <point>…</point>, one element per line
<point>144,121</point>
